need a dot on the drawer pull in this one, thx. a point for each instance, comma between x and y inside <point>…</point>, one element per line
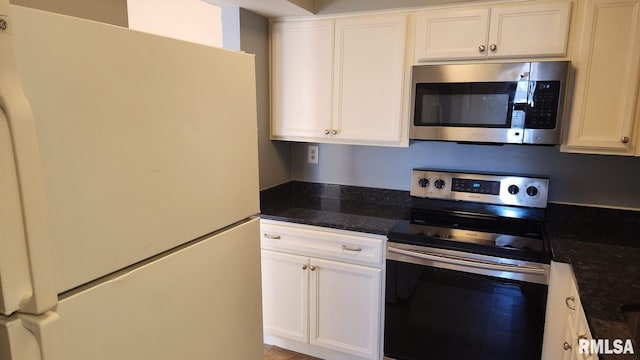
<point>566,346</point>
<point>570,302</point>
<point>349,248</point>
<point>272,237</point>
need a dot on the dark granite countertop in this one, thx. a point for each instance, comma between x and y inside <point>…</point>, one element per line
<point>603,248</point>
<point>602,245</point>
<point>341,207</point>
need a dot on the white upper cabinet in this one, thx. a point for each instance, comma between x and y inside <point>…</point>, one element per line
<point>369,79</point>
<point>532,30</point>
<point>340,80</point>
<point>605,97</point>
<point>301,77</point>
<point>451,34</point>
<point>529,30</point>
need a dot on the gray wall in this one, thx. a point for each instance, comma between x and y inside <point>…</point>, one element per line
<point>107,11</point>
<point>249,32</point>
<point>575,178</point>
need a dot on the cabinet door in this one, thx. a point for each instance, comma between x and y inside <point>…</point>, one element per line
<point>369,79</point>
<point>529,30</point>
<point>451,34</point>
<point>285,287</point>
<point>606,79</point>
<point>301,79</point>
<point>565,320</point>
<point>345,305</point>
<point>555,326</point>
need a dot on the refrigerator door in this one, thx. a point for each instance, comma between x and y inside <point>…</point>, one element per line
<point>26,276</point>
<point>146,142</point>
<point>199,302</point>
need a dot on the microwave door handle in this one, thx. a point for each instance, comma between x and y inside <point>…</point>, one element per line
<point>468,262</point>
<point>520,106</point>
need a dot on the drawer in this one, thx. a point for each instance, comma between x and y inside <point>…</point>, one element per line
<point>314,241</point>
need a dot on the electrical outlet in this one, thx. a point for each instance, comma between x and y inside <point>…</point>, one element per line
<point>312,154</point>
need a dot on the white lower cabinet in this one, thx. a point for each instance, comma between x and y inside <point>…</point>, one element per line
<point>322,293</point>
<point>565,322</point>
<point>344,307</point>
<point>285,289</point>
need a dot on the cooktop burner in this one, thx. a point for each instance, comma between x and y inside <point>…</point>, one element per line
<point>497,215</point>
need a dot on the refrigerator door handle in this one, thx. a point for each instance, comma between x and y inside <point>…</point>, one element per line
<point>28,170</point>
<point>31,337</point>
<point>47,331</point>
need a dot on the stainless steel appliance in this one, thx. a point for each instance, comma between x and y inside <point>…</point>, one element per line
<point>516,103</point>
<point>467,275</point>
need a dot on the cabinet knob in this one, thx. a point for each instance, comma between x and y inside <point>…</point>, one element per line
<point>566,346</point>
<point>334,132</point>
<point>493,47</point>
<point>570,302</point>
<point>624,139</point>
<point>482,48</point>
<point>304,267</point>
<point>326,131</point>
<point>312,268</point>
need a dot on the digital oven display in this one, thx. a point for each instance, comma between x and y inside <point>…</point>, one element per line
<point>476,186</point>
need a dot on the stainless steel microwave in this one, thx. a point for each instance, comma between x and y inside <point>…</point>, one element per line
<point>508,103</point>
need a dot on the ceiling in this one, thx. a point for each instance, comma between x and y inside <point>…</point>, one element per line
<point>271,8</point>
<point>277,8</point>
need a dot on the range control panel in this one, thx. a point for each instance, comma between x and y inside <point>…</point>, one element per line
<point>499,189</point>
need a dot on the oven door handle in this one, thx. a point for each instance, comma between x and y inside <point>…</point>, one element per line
<point>468,262</point>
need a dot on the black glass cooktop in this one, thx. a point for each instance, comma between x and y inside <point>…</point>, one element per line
<point>488,235</point>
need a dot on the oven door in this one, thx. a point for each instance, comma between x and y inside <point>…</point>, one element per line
<point>440,305</point>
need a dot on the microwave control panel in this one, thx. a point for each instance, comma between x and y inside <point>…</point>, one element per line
<point>542,112</point>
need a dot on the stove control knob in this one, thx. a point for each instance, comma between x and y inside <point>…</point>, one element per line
<point>439,184</point>
<point>513,189</point>
<point>532,191</point>
<point>423,182</point>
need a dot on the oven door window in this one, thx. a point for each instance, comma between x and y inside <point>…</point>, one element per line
<point>481,104</point>
<point>434,313</point>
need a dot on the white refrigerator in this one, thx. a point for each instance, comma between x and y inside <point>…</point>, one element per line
<point>128,194</point>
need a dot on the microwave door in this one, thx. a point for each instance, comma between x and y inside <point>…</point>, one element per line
<point>490,112</point>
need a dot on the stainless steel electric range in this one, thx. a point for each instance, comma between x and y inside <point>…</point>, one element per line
<point>467,275</point>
